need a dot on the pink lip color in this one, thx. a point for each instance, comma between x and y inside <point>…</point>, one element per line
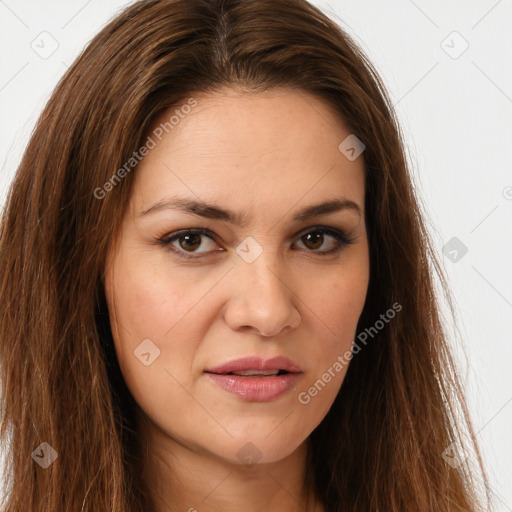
<point>256,363</point>
<point>256,389</point>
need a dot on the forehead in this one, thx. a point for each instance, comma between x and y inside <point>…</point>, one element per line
<point>246,147</point>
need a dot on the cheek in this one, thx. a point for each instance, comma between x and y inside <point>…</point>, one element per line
<point>150,320</point>
<point>339,300</point>
<point>147,299</point>
<point>146,304</point>
<point>345,304</point>
<point>335,308</point>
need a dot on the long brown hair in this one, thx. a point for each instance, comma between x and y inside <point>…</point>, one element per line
<point>380,447</point>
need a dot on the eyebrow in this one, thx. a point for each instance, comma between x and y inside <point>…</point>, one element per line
<point>212,211</point>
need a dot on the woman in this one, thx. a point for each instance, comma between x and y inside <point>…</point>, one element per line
<point>217,287</point>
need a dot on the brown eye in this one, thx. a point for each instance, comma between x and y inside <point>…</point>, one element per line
<point>315,238</point>
<point>192,242</point>
<point>186,242</point>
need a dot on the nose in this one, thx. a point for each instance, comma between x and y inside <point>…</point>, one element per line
<point>262,297</point>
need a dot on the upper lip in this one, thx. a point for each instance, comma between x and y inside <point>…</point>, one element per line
<point>256,363</point>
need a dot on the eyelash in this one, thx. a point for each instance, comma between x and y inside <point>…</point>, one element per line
<point>339,236</point>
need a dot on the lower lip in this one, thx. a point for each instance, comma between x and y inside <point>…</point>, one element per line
<point>256,389</point>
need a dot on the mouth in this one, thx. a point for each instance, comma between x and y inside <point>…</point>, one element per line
<point>255,373</point>
<point>256,366</point>
<point>256,380</point>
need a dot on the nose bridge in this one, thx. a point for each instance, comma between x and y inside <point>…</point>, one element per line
<point>263,299</point>
<point>266,272</point>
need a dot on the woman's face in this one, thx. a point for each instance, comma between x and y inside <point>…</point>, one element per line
<point>266,284</point>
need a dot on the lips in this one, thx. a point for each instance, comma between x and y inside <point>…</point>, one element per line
<point>255,366</point>
<point>257,373</point>
<point>255,380</point>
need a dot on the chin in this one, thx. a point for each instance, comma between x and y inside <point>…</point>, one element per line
<point>261,447</point>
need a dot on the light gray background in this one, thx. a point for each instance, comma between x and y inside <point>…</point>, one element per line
<point>455,108</point>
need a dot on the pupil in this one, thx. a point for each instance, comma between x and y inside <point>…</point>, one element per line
<point>318,236</point>
<point>315,244</point>
<point>188,237</point>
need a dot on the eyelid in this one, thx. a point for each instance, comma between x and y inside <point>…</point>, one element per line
<point>166,240</point>
<point>339,235</point>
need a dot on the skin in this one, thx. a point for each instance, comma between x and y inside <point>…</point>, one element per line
<point>268,154</point>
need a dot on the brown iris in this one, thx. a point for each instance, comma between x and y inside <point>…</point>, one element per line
<point>318,236</point>
<point>195,236</point>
